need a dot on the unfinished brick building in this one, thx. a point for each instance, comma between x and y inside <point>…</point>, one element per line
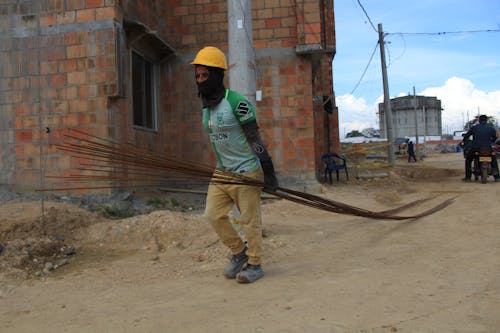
<point>119,69</point>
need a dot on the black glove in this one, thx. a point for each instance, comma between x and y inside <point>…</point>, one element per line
<point>270,181</point>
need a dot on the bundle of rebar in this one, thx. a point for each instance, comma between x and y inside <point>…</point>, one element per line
<point>128,166</point>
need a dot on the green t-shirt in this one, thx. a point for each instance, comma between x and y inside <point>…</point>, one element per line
<point>223,125</point>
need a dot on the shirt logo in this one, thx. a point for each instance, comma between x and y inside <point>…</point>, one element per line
<point>259,149</point>
<point>219,137</point>
<point>243,111</point>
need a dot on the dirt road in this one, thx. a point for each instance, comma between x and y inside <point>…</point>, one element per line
<point>325,272</point>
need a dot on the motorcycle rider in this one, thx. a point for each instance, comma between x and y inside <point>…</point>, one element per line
<point>483,135</point>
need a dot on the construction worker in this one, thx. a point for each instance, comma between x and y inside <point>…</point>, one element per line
<point>230,120</point>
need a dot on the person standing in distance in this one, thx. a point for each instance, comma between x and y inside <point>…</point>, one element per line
<point>411,152</point>
<point>231,124</point>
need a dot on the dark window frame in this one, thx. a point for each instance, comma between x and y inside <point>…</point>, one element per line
<point>144,91</point>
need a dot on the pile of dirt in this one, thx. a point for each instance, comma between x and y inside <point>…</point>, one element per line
<point>422,173</point>
<point>34,256</point>
<point>34,246</point>
<point>23,219</point>
<point>31,247</point>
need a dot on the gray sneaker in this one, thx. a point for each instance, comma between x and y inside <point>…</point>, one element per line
<point>249,274</point>
<point>236,263</point>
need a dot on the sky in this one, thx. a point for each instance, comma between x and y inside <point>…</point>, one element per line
<point>430,45</point>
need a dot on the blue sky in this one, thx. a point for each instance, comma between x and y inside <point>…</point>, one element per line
<point>460,69</point>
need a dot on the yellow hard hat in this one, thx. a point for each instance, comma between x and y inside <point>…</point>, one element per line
<point>210,56</point>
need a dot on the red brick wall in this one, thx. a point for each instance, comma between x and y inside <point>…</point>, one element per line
<point>58,69</point>
<point>76,84</point>
<point>292,126</point>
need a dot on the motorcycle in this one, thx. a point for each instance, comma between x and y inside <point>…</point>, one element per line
<point>483,158</point>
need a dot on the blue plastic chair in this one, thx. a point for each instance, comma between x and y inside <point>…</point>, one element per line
<point>334,162</point>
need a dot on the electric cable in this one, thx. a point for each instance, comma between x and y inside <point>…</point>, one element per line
<point>367,16</point>
<point>366,68</point>
<point>442,33</point>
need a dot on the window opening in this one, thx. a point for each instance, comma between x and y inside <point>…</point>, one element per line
<point>143,91</point>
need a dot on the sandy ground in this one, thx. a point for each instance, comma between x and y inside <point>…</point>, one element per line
<point>161,272</point>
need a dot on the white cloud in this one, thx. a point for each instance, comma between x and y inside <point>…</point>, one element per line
<point>355,114</point>
<point>459,99</point>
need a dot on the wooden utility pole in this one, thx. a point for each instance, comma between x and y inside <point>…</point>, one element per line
<point>387,100</point>
<point>241,60</point>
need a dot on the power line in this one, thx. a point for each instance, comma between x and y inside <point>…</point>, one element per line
<point>441,33</point>
<point>367,16</point>
<point>424,33</point>
<point>402,34</point>
<point>366,68</point>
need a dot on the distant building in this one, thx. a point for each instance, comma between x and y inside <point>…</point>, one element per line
<point>427,120</point>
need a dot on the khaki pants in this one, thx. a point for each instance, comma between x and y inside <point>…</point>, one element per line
<point>220,200</point>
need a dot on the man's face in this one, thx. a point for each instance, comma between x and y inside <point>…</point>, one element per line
<point>201,74</point>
